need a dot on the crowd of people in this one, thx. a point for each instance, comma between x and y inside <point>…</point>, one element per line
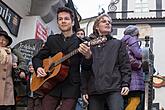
<point>105,76</point>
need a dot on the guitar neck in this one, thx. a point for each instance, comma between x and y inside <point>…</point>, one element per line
<point>159,77</point>
<point>90,43</point>
<point>67,56</point>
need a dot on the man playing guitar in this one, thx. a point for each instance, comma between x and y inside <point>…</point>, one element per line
<point>67,91</point>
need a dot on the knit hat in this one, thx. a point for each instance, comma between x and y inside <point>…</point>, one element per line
<point>131,30</point>
<point>30,63</point>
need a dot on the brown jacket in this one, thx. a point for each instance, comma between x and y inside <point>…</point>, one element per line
<point>6,83</point>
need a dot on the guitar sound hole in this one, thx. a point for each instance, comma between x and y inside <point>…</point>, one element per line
<point>48,74</point>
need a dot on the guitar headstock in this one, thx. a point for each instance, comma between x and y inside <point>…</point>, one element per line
<point>97,41</point>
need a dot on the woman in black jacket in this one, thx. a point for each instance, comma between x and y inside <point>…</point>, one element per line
<point>105,70</point>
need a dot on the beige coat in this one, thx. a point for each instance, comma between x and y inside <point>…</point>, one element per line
<point>6,83</point>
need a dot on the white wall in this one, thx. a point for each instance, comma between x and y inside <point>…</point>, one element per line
<point>53,26</point>
<point>159,43</point>
<point>27,28</point>
<point>159,96</point>
<point>87,26</point>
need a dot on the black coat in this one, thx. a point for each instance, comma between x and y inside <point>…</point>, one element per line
<point>108,70</point>
<point>70,87</point>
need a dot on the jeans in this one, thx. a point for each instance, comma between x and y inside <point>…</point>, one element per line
<point>114,101</point>
<point>81,105</point>
<point>52,103</point>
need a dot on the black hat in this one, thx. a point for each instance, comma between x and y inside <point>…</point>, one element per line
<point>4,33</point>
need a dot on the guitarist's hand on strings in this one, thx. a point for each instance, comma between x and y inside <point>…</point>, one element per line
<point>85,50</point>
<point>41,72</point>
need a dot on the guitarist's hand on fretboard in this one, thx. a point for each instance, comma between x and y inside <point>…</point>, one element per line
<point>85,50</point>
<point>41,72</point>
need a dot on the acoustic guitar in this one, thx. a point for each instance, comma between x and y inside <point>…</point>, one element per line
<point>56,71</point>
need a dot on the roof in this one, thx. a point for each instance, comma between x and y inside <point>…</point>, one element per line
<point>145,20</point>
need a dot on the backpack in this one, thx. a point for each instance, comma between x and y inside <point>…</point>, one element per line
<point>135,62</point>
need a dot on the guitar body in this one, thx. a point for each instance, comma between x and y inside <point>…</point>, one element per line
<point>43,85</point>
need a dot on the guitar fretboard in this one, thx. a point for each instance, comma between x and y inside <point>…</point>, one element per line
<point>67,56</point>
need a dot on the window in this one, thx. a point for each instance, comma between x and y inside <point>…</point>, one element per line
<point>141,6</point>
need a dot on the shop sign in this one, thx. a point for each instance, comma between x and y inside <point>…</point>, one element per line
<point>10,18</point>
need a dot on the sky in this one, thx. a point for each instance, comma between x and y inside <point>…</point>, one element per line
<point>90,8</point>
